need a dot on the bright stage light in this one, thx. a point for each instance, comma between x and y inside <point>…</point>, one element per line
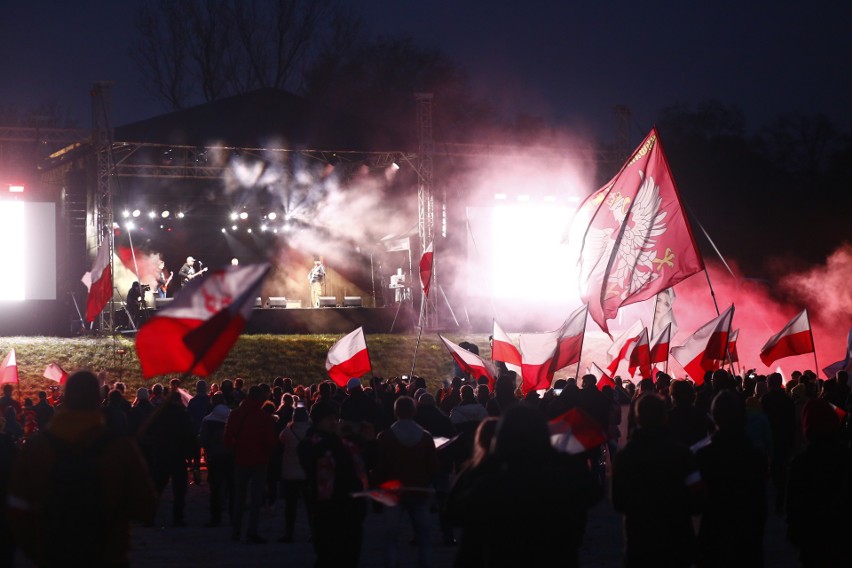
<point>395,166</point>
<point>16,188</point>
<point>263,227</point>
<point>249,229</point>
<point>152,214</point>
<point>165,214</point>
<point>180,215</point>
<point>233,227</point>
<point>125,214</point>
<point>272,216</point>
<point>234,216</point>
<point>223,230</point>
<point>243,215</point>
<point>136,213</point>
<point>129,225</point>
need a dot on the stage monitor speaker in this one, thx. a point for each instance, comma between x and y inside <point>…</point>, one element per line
<point>327,301</point>
<point>161,303</point>
<point>258,303</point>
<point>294,304</point>
<point>352,301</point>
<point>277,302</point>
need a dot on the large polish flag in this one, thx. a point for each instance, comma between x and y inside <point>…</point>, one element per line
<point>195,333</point>
<point>503,349</point>
<point>640,356</point>
<point>705,347</point>
<point>603,380</point>
<point>9,369</point>
<point>99,283</point>
<point>575,432</point>
<point>660,345</point>
<point>570,344</point>
<point>622,346</point>
<point>470,363</point>
<point>633,236</point>
<point>426,269</point>
<point>348,358</point>
<point>732,346</point>
<point>794,339</point>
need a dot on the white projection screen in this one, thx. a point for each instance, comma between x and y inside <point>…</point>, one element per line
<point>27,251</point>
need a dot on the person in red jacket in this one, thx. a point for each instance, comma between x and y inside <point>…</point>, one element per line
<point>407,459</point>
<point>250,433</point>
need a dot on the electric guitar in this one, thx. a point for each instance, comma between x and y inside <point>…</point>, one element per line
<point>194,274</point>
<point>165,286</point>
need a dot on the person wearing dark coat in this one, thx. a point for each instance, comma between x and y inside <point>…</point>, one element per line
<point>528,497</point>
<point>657,487</point>
<point>734,474</point>
<point>819,490</point>
<point>781,412</point>
<point>687,424</point>
<point>220,461</point>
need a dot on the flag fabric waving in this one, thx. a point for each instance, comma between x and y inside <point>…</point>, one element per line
<point>633,237</point>
<point>622,346</point>
<point>348,358</point>
<point>9,369</point>
<point>426,269</point>
<point>732,346</point>
<point>843,364</point>
<point>704,348</point>
<point>660,345</point>
<point>570,343</point>
<point>794,339</point>
<point>469,362</point>
<point>575,432</point>
<point>604,380</point>
<point>503,349</point>
<point>55,373</point>
<point>99,283</point>
<point>640,356</point>
<point>195,333</point>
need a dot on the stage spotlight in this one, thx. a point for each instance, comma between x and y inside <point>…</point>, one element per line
<point>165,214</point>
<point>152,214</point>
<point>234,216</point>
<point>500,196</point>
<point>125,214</point>
<point>233,227</point>
<point>263,227</point>
<point>249,229</point>
<point>16,188</point>
<point>136,213</point>
<point>129,225</point>
<point>243,215</point>
<point>180,215</point>
<point>223,230</point>
<point>272,215</point>
<point>395,166</point>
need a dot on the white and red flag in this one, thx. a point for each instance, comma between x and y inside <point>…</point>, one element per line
<point>9,369</point>
<point>794,339</point>
<point>704,348</point>
<point>732,346</point>
<point>195,333</point>
<point>575,432</point>
<point>348,358</point>
<point>604,380</point>
<point>99,282</point>
<point>470,363</point>
<point>503,349</point>
<point>570,343</point>
<point>55,373</point>
<point>623,345</point>
<point>426,269</point>
<point>660,345</point>
<point>633,237</point>
<point>640,356</point>
<point>843,364</point>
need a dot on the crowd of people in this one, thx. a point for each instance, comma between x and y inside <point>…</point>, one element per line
<point>695,471</point>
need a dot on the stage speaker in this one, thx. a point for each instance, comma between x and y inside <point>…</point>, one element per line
<point>277,302</point>
<point>352,301</point>
<point>327,301</point>
<point>161,303</point>
<point>258,303</point>
<point>294,304</point>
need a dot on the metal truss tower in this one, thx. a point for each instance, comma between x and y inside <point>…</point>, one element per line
<point>426,199</point>
<point>101,231</point>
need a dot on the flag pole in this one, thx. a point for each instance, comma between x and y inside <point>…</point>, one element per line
<point>811,333</point>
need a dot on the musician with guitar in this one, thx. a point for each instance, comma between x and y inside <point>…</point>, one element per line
<point>162,280</point>
<point>187,272</point>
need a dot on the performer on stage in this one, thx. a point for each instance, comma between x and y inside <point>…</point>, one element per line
<point>317,278</point>
<point>164,277</point>
<point>187,272</point>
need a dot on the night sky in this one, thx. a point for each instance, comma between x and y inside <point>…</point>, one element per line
<point>568,62</point>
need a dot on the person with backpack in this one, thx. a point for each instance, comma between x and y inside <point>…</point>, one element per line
<point>74,488</point>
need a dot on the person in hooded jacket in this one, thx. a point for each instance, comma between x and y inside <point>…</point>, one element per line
<point>293,474</point>
<point>220,460</point>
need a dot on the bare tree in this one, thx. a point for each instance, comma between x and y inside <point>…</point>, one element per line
<point>191,50</point>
